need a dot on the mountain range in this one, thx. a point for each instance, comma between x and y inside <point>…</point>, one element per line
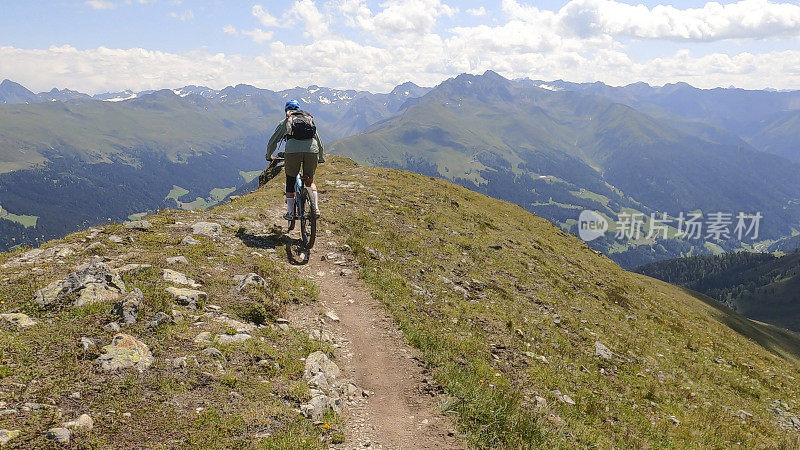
<point>557,152</point>
<point>69,159</point>
<point>555,148</point>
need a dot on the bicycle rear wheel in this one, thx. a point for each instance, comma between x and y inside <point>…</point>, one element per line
<point>308,220</point>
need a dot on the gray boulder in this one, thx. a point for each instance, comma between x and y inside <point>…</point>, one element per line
<point>138,225</point>
<point>59,435</point>
<point>125,352</point>
<point>210,229</point>
<point>188,297</point>
<point>159,319</point>
<point>251,279</point>
<point>128,306</point>
<point>91,282</point>
<point>18,320</point>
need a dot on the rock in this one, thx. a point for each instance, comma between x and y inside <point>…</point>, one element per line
<point>252,279</point>
<point>179,362</point>
<point>18,320</point>
<point>320,335</point>
<point>188,240</point>
<point>87,344</point>
<point>177,260</point>
<point>124,352</point>
<point>188,297</point>
<point>83,422</point>
<point>133,269</point>
<point>539,402</point>
<point>141,225</point>
<point>173,276</point>
<point>91,282</point>
<point>40,255</point>
<point>115,239</point>
<point>744,414</point>
<point>556,420</point>
<point>321,374</point>
<point>210,229</point>
<point>204,336</point>
<point>7,435</point>
<point>316,407</point>
<point>232,338</point>
<point>601,351</point>
<point>332,315</point>
<point>128,306</point>
<point>563,397</point>
<point>113,327</point>
<point>214,308</point>
<point>96,247</point>
<point>674,420</point>
<point>240,327</point>
<point>345,272</point>
<point>159,319</point>
<point>215,354</point>
<point>59,435</point>
<point>317,364</point>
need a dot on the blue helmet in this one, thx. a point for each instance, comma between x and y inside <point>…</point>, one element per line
<point>292,105</point>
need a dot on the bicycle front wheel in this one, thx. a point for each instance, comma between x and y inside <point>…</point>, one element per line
<point>308,220</point>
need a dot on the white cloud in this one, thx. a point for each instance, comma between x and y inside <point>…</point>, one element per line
<point>477,12</point>
<point>258,35</point>
<point>745,19</point>
<point>399,41</point>
<point>306,12</point>
<point>183,16</point>
<point>263,16</point>
<point>100,4</point>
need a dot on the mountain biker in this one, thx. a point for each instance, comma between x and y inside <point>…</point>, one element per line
<point>299,152</point>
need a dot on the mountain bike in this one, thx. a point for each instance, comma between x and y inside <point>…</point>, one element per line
<point>303,209</point>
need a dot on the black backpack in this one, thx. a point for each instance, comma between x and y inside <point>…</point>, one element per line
<point>300,125</point>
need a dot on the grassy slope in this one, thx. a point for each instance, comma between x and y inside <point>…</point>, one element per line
<point>97,131</point>
<point>761,286</point>
<point>530,288</point>
<point>199,406</point>
<point>546,293</point>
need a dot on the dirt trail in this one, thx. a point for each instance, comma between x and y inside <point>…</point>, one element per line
<point>402,409</point>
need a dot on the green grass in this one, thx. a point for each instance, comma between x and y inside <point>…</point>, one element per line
<point>249,176</point>
<point>219,194</point>
<point>480,287</point>
<point>532,288</point>
<point>199,406</point>
<point>26,221</point>
<point>176,193</point>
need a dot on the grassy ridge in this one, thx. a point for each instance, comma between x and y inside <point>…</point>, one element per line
<point>485,289</point>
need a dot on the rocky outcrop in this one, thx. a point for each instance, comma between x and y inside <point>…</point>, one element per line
<point>321,374</point>
<point>173,276</point>
<point>17,320</point>
<point>91,282</point>
<point>125,352</point>
<point>188,297</point>
<point>210,229</point>
<point>127,308</point>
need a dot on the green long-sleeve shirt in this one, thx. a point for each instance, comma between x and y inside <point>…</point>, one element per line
<point>313,145</point>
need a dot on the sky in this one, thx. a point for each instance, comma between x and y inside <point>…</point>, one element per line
<point>110,45</point>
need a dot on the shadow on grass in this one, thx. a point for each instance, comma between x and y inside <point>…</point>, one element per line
<point>295,252</point>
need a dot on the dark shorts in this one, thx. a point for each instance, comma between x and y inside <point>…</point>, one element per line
<point>294,161</point>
